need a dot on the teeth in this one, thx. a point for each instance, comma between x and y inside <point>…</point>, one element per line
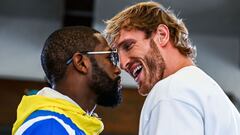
<point>135,79</point>
<point>136,69</point>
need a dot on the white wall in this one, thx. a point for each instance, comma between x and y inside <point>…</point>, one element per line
<point>21,40</point>
<point>24,27</point>
<point>219,57</point>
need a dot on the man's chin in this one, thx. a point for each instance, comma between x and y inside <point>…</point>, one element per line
<point>112,98</point>
<point>143,91</point>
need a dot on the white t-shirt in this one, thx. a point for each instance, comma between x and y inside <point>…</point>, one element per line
<point>188,102</point>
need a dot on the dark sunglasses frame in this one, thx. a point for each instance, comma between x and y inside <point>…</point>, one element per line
<point>114,58</point>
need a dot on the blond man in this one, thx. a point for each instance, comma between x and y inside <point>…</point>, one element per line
<point>155,49</point>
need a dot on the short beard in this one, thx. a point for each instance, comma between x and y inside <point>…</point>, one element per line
<point>156,67</point>
<point>107,90</point>
<point>156,63</point>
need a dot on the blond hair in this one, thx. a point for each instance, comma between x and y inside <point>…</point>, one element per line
<point>146,16</point>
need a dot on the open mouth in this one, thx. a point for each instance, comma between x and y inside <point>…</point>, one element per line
<point>136,72</point>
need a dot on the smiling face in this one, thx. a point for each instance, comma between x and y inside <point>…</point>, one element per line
<point>140,57</point>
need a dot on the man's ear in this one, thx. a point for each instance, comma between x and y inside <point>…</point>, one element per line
<point>81,63</point>
<point>161,36</point>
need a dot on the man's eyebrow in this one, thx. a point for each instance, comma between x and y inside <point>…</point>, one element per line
<point>125,42</point>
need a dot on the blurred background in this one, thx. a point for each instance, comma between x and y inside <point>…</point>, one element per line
<point>25,25</point>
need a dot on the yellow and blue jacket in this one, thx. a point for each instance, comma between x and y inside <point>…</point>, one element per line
<point>40,115</point>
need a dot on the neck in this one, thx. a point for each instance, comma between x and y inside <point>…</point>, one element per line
<point>78,92</point>
<point>176,61</point>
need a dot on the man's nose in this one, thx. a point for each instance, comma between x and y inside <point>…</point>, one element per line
<point>124,60</point>
<point>117,70</point>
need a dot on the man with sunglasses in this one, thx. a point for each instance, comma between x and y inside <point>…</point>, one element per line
<point>83,73</point>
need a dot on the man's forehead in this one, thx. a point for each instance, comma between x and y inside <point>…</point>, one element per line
<point>114,45</point>
<point>124,36</point>
<point>102,47</point>
<point>102,40</point>
<point>114,42</point>
<point>117,42</point>
<point>120,43</point>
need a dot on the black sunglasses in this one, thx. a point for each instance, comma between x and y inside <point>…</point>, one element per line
<point>113,56</point>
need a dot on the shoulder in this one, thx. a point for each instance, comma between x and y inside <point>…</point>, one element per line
<point>187,82</point>
<point>47,122</point>
<point>190,86</point>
